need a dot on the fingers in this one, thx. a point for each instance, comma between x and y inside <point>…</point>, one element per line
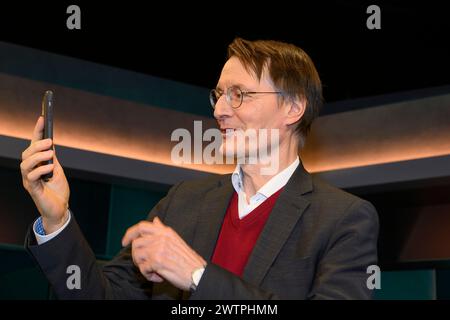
<point>143,227</point>
<point>30,163</point>
<point>161,254</point>
<point>141,260</point>
<point>154,277</point>
<point>141,234</point>
<point>141,242</point>
<point>38,131</point>
<point>159,247</point>
<point>37,146</point>
<point>149,274</point>
<point>131,234</point>
<point>39,171</point>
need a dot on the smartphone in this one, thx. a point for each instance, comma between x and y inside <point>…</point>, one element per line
<point>47,113</point>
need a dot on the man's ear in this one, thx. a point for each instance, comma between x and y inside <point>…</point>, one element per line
<point>295,110</point>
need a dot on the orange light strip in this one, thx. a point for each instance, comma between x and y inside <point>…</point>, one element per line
<point>121,128</point>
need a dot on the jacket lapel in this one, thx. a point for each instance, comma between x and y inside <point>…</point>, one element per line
<point>287,211</point>
<point>212,213</point>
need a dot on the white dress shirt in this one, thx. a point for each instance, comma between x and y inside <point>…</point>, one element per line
<point>273,185</point>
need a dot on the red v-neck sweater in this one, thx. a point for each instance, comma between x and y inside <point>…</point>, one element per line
<point>238,236</point>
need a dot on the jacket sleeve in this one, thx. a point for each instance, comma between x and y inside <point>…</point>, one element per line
<point>342,271</point>
<point>220,284</point>
<point>117,279</point>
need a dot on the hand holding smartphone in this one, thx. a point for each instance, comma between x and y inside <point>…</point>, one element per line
<point>50,197</point>
<point>47,113</point>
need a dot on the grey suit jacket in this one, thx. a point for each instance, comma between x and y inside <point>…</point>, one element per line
<point>316,244</point>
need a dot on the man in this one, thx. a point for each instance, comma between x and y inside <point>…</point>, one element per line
<point>247,235</point>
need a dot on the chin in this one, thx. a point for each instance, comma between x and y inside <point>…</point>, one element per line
<point>228,150</point>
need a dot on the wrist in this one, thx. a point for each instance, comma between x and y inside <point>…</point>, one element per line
<point>52,225</point>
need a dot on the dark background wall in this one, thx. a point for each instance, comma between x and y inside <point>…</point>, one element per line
<point>389,88</point>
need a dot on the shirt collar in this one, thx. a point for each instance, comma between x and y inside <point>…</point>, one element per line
<point>273,185</point>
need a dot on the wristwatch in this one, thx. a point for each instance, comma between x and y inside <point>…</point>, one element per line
<point>195,277</point>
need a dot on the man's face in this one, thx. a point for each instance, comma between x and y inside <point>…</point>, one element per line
<point>258,111</point>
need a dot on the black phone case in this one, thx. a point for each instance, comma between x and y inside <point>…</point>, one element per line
<point>47,112</point>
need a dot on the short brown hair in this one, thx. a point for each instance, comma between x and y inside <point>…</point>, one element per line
<point>290,69</point>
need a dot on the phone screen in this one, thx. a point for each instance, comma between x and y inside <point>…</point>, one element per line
<point>47,112</point>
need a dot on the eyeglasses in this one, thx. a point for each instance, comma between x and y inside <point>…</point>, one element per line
<point>233,95</point>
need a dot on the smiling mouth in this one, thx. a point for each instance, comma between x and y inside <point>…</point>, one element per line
<point>227,132</point>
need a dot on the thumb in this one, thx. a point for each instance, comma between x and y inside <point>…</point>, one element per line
<point>157,221</point>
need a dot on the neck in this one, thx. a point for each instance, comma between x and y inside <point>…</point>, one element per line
<point>252,178</point>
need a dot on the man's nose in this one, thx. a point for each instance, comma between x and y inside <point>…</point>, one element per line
<point>222,109</point>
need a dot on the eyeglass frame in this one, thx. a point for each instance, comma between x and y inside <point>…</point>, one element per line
<point>228,95</point>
